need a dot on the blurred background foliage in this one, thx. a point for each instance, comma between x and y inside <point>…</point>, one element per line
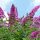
<point>17,32</point>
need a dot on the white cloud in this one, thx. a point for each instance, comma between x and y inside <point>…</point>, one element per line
<point>3,3</point>
<point>36,2</point>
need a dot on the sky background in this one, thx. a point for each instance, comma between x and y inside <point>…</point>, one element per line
<point>23,6</point>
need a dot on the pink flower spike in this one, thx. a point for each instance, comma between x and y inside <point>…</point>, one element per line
<point>1,13</point>
<point>13,15</point>
<point>32,13</point>
<point>14,11</point>
<point>24,20</point>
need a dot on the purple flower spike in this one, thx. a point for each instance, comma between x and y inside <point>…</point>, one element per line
<point>13,15</point>
<point>32,13</point>
<point>14,12</point>
<point>30,16</point>
<point>1,13</point>
<point>24,20</point>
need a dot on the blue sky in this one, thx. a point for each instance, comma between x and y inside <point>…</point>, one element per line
<point>23,6</point>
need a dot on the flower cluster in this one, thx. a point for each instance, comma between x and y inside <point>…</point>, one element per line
<point>25,22</point>
<point>35,34</point>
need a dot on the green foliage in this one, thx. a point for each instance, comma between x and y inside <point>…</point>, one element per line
<point>16,32</point>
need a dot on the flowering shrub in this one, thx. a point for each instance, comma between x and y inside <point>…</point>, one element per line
<point>26,28</point>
